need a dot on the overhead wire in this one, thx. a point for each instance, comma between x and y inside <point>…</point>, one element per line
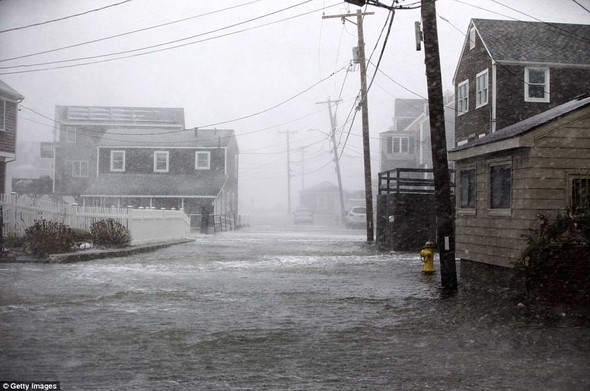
<point>159,45</point>
<point>128,32</point>
<point>65,17</point>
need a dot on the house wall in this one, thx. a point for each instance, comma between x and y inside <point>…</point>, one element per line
<point>475,121</point>
<point>565,85</point>
<point>8,137</point>
<point>141,160</point>
<point>541,184</point>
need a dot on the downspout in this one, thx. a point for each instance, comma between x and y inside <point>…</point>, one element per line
<point>493,119</point>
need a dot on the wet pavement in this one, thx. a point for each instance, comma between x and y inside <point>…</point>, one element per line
<point>275,309</point>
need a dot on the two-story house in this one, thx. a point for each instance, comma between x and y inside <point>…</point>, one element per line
<point>522,130</point>
<point>510,70</point>
<point>9,100</point>
<point>407,143</point>
<point>143,157</point>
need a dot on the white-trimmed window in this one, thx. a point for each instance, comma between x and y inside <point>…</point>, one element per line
<point>401,145</point>
<point>161,161</point>
<point>463,97</point>
<point>70,134</point>
<point>500,185</point>
<point>536,84</point>
<point>471,38</point>
<point>80,168</point>
<point>3,115</point>
<point>117,161</point>
<point>481,89</point>
<point>202,160</point>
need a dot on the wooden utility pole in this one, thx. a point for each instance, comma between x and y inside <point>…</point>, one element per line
<point>288,172</point>
<point>336,158</point>
<point>365,118</point>
<point>440,164</point>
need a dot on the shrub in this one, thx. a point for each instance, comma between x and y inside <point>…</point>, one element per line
<point>49,237</point>
<point>110,233</point>
<point>571,228</point>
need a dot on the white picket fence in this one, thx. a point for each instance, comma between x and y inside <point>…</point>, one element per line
<point>145,225</point>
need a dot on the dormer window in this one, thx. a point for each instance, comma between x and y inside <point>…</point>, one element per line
<point>471,38</point>
<point>536,84</point>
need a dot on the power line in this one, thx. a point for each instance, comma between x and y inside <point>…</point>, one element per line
<point>64,18</point>
<point>128,33</point>
<point>159,45</point>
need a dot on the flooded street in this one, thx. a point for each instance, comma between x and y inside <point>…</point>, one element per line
<point>256,309</point>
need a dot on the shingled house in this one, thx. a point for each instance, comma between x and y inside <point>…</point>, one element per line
<point>509,71</point>
<point>144,157</point>
<point>9,100</point>
<point>522,130</point>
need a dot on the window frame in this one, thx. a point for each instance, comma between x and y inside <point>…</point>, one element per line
<point>3,114</point>
<point>167,161</point>
<point>77,171</point>
<point>471,191</point>
<point>502,208</point>
<point>208,154</point>
<point>471,38</point>
<point>479,96</point>
<point>113,153</point>
<point>572,196</point>
<point>71,134</point>
<point>547,84</point>
<point>460,109</point>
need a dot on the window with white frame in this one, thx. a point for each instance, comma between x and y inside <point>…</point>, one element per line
<point>536,84</point>
<point>401,145</point>
<point>80,168</point>
<point>3,114</point>
<point>118,161</point>
<point>471,38</point>
<point>500,185</point>
<point>463,97</point>
<point>161,161</point>
<point>70,134</point>
<point>202,160</point>
<point>481,89</point>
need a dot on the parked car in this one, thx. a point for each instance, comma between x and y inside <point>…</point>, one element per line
<point>303,216</point>
<point>356,217</point>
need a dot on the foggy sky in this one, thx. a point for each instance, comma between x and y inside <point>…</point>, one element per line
<point>273,67</point>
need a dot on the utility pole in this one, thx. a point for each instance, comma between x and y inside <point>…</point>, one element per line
<point>335,150</point>
<point>288,172</point>
<point>365,118</point>
<point>440,164</point>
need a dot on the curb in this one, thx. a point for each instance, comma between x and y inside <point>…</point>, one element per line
<point>89,255</point>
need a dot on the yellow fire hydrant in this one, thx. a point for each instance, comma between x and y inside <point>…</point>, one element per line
<point>427,255</point>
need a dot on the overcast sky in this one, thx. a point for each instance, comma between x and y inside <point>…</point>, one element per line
<point>259,67</point>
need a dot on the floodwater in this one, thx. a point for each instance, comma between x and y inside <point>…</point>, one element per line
<point>256,309</point>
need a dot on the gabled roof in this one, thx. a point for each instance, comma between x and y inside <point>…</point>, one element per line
<point>8,91</point>
<point>138,185</point>
<point>520,128</point>
<point>152,137</point>
<point>513,41</point>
